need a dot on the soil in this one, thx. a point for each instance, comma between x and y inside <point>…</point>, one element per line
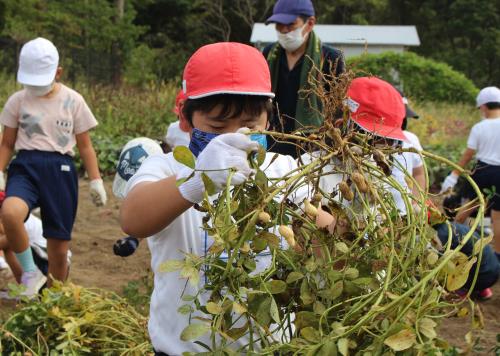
<point>95,265</point>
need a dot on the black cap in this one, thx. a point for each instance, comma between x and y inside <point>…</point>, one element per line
<point>410,114</point>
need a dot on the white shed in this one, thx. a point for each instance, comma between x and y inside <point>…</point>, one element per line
<point>352,39</point>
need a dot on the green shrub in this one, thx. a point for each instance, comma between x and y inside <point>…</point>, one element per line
<point>421,78</point>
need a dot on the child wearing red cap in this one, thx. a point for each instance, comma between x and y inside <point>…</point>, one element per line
<point>378,109</point>
<point>175,136</point>
<point>228,87</point>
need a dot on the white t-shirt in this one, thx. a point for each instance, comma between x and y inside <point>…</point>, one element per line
<point>404,164</point>
<point>175,136</point>
<point>413,160</point>
<point>34,229</point>
<point>484,139</point>
<point>184,234</point>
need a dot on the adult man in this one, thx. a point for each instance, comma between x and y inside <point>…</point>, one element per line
<point>291,60</point>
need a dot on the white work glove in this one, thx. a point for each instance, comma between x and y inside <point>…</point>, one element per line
<point>222,153</point>
<point>97,192</point>
<point>2,181</point>
<point>449,182</point>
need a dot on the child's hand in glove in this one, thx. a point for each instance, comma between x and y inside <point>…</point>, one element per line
<point>216,160</point>
<point>97,192</point>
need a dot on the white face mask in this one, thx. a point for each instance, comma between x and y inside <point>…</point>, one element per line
<point>292,40</point>
<point>36,90</point>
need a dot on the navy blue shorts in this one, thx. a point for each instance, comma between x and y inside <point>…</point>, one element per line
<point>47,180</point>
<point>486,177</point>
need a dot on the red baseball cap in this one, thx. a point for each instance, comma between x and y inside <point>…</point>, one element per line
<point>377,107</point>
<point>226,68</point>
<point>178,101</point>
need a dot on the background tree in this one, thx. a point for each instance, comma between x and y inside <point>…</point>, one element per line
<point>137,41</point>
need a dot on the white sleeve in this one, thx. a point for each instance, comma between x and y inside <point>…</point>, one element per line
<point>473,141</point>
<point>153,169</point>
<point>416,161</point>
<point>33,226</point>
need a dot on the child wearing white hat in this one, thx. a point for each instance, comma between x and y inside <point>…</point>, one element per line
<point>42,123</point>
<point>484,145</point>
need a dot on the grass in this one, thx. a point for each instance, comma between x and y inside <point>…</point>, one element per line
<point>443,124</point>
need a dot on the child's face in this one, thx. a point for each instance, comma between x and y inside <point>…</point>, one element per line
<point>210,122</point>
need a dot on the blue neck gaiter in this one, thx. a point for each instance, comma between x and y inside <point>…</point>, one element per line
<point>200,140</point>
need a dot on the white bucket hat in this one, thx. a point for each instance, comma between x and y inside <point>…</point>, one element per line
<point>38,62</point>
<point>131,158</point>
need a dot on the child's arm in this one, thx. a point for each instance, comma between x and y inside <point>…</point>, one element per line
<point>467,156</point>
<point>87,153</point>
<point>451,180</point>
<point>152,206</point>
<point>6,150</point>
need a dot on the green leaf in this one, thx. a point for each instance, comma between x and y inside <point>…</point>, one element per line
<point>264,311</point>
<point>185,309</point>
<point>334,275</point>
<point>238,308</point>
<point>171,266</point>
<point>249,264</point>
<point>427,327</point>
<point>333,292</point>
<point>402,340</point>
<point>310,334</point>
<point>304,319</point>
<point>213,308</point>
<point>261,180</point>
<point>179,182</point>
<point>259,244</point>
<point>275,286</point>
<point>194,331</point>
<point>237,333</point>
<point>305,293</point>
<point>482,243</point>
<point>458,277</point>
<point>343,345</point>
<point>209,184</point>
<point>274,312</point>
<point>328,349</point>
<point>272,239</point>
<point>351,273</point>
<point>294,277</point>
<point>261,155</point>
<point>318,308</point>
<point>363,281</point>
<point>183,155</point>
<point>192,274</point>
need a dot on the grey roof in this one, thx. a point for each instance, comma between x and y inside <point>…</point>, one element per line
<point>348,34</point>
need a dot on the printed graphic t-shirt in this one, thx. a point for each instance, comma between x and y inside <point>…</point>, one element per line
<point>48,124</point>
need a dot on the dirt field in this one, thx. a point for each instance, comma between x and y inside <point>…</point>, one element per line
<point>94,265</point>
